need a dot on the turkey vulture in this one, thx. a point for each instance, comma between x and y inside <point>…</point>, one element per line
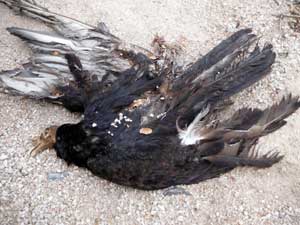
<point>149,122</point>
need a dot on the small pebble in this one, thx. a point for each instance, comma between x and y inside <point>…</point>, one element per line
<point>53,176</point>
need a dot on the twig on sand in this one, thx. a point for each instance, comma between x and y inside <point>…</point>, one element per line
<point>281,16</point>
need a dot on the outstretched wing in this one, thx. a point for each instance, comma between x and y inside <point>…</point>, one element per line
<point>101,53</point>
<point>185,110</point>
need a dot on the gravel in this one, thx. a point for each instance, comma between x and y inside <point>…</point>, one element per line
<point>44,190</point>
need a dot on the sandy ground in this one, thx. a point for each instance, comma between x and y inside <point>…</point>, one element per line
<point>30,192</point>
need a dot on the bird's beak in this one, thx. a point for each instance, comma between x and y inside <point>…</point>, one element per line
<point>45,141</point>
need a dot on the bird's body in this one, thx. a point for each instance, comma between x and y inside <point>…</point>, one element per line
<point>144,147</point>
<point>148,124</point>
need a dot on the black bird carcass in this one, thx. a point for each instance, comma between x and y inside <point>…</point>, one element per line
<point>149,122</point>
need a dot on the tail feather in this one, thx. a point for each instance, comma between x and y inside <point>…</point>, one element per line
<point>274,116</point>
<point>254,123</point>
<point>231,161</point>
<point>245,128</point>
<point>269,119</point>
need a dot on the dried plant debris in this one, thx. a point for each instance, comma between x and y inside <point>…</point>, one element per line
<point>294,18</point>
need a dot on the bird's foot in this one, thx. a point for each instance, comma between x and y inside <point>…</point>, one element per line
<point>45,141</point>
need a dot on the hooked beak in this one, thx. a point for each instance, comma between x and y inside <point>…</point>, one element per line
<point>45,141</point>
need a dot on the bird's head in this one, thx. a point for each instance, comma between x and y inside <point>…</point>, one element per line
<point>70,144</point>
<point>67,140</point>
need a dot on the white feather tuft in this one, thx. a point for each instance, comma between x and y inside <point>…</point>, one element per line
<point>192,135</point>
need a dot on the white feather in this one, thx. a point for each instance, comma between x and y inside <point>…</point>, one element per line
<point>192,135</point>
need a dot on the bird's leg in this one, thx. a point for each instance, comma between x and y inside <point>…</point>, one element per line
<point>45,141</point>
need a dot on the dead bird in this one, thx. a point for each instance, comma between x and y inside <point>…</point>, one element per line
<point>148,123</point>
